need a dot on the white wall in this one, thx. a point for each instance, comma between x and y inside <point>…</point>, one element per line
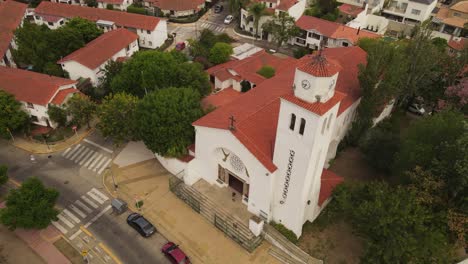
<point>208,156</point>
<point>298,9</point>
<point>426,10</point>
<point>222,85</point>
<point>154,39</point>
<point>174,166</point>
<point>9,57</point>
<point>385,113</point>
<point>121,7</point>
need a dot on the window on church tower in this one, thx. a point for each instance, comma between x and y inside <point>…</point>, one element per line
<point>302,127</point>
<point>293,122</point>
<point>323,125</point>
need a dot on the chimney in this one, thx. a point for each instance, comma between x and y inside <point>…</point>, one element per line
<point>359,29</point>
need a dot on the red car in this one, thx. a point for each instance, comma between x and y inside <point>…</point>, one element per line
<point>175,254</point>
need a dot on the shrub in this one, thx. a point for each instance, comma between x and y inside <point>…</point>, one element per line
<point>300,52</point>
<point>245,86</point>
<point>136,10</point>
<point>267,71</point>
<point>110,7</point>
<point>285,232</point>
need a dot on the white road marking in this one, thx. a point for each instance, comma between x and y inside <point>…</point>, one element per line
<point>60,227</point>
<point>72,216</point>
<point>73,151</point>
<point>78,152</point>
<point>97,216</point>
<point>95,161</point>
<point>97,145</point>
<point>91,159</point>
<point>83,206</point>
<point>78,211</point>
<point>77,233</point>
<point>86,199</point>
<point>104,166</point>
<point>95,197</point>
<point>100,194</point>
<point>65,220</point>
<point>66,151</point>
<point>86,157</point>
<point>79,157</point>
<point>100,163</point>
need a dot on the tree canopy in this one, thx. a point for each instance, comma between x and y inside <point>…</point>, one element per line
<point>220,53</point>
<point>117,118</point>
<point>3,174</point>
<point>81,109</point>
<point>57,115</point>
<point>165,120</point>
<point>149,71</point>
<point>31,206</point>
<point>282,27</point>
<point>42,48</point>
<point>12,117</point>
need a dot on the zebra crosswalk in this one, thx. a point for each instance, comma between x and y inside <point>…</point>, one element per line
<point>75,214</point>
<point>212,26</point>
<point>87,157</point>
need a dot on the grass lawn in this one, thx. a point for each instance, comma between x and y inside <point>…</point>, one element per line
<point>71,253</point>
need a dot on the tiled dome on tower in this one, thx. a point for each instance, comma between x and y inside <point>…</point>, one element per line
<point>320,66</point>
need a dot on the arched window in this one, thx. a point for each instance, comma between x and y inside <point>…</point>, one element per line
<point>293,122</point>
<point>323,125</point>
<point>329,121</point>
<point>302,127</point>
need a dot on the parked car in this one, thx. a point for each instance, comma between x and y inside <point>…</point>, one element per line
<point>175,254</point>
<point>180,46</point>
<point>218,8</point>
<point>228,19</point>
<point>141,225</point>
<point>416,108</point>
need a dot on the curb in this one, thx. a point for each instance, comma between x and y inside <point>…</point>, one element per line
<point>85,134</point>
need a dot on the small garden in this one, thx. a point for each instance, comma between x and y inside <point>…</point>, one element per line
<point>54,135</point>
<point>324,9</point>
<point>210,49</point>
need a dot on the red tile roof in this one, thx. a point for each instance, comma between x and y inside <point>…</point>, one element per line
<point>11,15</point>
<point>248,67</point>
<point>101,49</point>
<point>350,9</point>
<point>256,111</point>
<point>52,19</point>
<point>223,97</point>
<point>177,5</point>
<point>333,30</point>
<point>32,87</point>
<point>94,14</point>
<point>283,5</point>
<point>60,97</point>
<point>327,184</point>
<point>114,2</point>
<point>320,66</point>
<point>457,44</point>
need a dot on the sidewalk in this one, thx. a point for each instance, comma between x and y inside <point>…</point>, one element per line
<point>175,220</point>
<point>40,148</point>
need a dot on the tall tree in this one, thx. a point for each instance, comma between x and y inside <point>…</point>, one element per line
<point>111,70</point>
<point>282,27</point>
<point>81,109</point>
<point>220,53</point>
<point>117,117</point>
<point>257,10</point>
<point>165,120</point>
<point>31,206</point>
<point>12,117</point>
<point>153,70</point>
<point>57,114</point>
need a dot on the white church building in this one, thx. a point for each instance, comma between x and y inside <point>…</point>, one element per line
<point>272,144</point>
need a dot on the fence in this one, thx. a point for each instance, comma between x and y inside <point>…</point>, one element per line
<point>220,218</point>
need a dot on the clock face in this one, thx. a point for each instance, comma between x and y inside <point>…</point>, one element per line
<point>331,84</point>
<point>305,84</point>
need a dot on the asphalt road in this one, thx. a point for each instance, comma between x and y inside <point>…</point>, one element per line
<point>72,174</point>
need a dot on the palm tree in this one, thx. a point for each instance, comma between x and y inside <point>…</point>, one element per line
<point>257,10</point>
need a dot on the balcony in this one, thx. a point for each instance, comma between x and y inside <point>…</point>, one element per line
<point>396,9</point>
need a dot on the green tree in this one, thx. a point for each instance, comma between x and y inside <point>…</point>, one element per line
<point>85,29</point>
<point>257,10</point>
<point>81,109</point>
<point>110,7</point>
<point>165,120</point>
<point>220,53</point>
<point>111,70</point>
<point>3,174</point>
<point>440,43</point>
<point>117,117</point>
<point>282,27</point>
<point>57,114</point>
<point>397,228</point>
<point>148,71</point>
<point>91,3</point>
<point>267,71</point>
<point>31,206</point>
<point>12,117</point>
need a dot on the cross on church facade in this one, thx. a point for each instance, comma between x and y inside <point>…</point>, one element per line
<point>232,121</point>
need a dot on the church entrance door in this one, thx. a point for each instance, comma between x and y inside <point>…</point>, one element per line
<point>236,184</point>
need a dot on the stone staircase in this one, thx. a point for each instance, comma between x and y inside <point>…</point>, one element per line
<point>284,250</point>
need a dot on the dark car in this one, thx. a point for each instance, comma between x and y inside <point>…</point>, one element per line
<point>218,8</point>
<point>140,224</point>
<point>175,254</point>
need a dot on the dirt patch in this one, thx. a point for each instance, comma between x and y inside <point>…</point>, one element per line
<point>13,250</point>
<point>351,165</point>
<point>63,246</point>
<point>333,243</point>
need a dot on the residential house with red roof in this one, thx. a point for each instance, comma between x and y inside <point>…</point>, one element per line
<point>318,32</point>
<point>12,14</point>
<point>452,20</point>
<point>293,8</point>
<point>36,91</point>
<point>91,60</point>
<point>151,31</point>
<point>115,4</point>
<point>175,8</point>
<point>456,45</point>
<point>271,145</point>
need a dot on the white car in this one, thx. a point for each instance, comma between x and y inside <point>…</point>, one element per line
<point>228,19</point>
